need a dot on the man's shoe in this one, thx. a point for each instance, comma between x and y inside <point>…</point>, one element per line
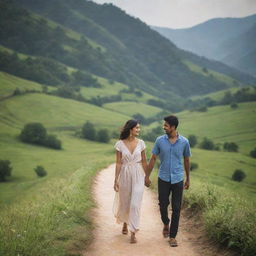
<point>166,231</point>
<point>173,242</point>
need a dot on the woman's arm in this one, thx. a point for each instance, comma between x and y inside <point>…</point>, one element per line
<point>144,161</point>
<point>118,169</point>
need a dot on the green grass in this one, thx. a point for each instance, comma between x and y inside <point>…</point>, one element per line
<point>8,83</point>
<point>56,113</point>
<point>221,77</point>
<point>131,108</point>
<point>50,215</point>
<point>221,124</point>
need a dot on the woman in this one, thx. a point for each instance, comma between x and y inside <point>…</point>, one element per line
<point>130,171</point>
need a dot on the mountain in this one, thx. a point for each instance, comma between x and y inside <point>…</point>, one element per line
<point>215,39</point>
<point>110,44</point>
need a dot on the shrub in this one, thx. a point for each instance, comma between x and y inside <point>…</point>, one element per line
<point>238,175</point>
<point>88,131</point>
<point>233,105</point>
<point>207,144</point>
<point>103,136</point>
<point>52,142</point>
<point>230,146</point>
<point>40,171</point>
<point>193,166</point>
<point>17,91</point>
<point>253,153</point>
<point>33,133</point>
<point>139,117</point>
<point>5,169</point>
<point>192,140</point>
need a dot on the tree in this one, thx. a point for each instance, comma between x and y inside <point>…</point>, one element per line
<point>192,140</point>
<point>253,153</point>
<point>207,144</point>
<point>230,146</point>
<point>139,117</point>
<point>193,166</point>
<point>51,141</point>
<point>88,131</point>
<point>33,133</point>
<point>238,175</point>
<point>103,136</point>
<point>233,105</point>
<point>5,169</point>
<point>40,171</point>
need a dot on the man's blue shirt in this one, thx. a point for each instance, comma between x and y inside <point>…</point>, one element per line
<point>171,156</point>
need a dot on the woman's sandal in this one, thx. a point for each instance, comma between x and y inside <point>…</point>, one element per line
<point>125,230</point>
<point>133,239</point>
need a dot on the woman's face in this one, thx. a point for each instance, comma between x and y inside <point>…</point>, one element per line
<point>135,131</point>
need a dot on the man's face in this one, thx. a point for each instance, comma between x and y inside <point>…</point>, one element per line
<point>167,128</point>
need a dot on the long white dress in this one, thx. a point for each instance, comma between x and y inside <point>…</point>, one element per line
<point>127,201</point>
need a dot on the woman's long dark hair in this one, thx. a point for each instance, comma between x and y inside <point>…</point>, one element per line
<point>125,132</point>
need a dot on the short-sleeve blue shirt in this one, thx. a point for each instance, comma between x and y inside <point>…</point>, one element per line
<point>171,156</point>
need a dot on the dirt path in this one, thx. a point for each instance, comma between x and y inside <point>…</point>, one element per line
<point>108,240</point>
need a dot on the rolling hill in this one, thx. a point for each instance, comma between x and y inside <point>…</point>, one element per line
<point>150,63</point>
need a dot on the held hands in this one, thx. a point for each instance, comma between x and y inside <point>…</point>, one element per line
<point>116,186</point>
<point>147,181</point>
<point>186,184</point>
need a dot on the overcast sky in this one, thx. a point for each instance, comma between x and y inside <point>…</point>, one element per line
<point>183,13</point>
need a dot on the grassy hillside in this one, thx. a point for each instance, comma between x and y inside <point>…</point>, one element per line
<point>211,73</point>
<point>223,124</point>
<point>131,108</point>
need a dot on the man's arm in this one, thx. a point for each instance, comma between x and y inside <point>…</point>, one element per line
<point>187,169</point>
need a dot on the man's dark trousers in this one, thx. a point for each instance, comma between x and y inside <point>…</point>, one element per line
<point>164,190</point>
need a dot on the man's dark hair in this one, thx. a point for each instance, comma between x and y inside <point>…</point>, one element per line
<point>172,120</point>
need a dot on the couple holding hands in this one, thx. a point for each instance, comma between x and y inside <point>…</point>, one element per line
<point>133,172</point>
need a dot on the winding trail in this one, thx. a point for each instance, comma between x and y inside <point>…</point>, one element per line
<point>108,240</point>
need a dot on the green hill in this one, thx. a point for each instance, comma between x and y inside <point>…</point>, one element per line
<point>116,57</point>
<point>132,108</point>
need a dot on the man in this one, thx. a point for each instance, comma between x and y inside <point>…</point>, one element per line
<point>171,148</point>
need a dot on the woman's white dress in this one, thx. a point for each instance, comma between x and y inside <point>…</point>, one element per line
<point>127,201</point>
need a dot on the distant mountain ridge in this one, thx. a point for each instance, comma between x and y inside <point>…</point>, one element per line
<point>229,40</point>
<point>126,49</point>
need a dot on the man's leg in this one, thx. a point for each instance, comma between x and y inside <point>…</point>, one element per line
<point>164,189</point>
<point>177,191</point>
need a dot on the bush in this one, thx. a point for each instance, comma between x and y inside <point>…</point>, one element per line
<point>253,153</point>
<point>238,175</point>
<point>233,105</point>
<point>230,147</point>
<point>207,144</point>
<point>5,169</point>
<point>40,171</point>
<point>51,141</point>
<point>103,136</point>
<point>192,140</point>
<point>193,166</point>
<point>139,117</point>
<point>88,131</point>
<point>33,133</point>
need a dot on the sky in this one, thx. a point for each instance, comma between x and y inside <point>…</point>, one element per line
<point>183,13</point>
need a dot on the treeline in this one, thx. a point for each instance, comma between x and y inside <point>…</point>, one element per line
<point>245,94</point>
<point>44,70</point>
